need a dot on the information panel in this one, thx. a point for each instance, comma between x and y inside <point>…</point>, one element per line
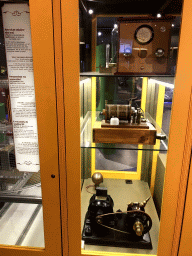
<point>17,34</point>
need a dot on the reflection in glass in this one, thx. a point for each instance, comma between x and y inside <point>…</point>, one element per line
<point>21,214</point>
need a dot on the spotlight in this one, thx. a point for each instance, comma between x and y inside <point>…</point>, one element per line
<point>173,25</point>
<point>99,33</point>
<point>159,15</point>
<point>90,11</point>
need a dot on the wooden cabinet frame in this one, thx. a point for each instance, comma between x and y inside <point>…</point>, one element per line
<point>54,27</point>
<point>179,149</point>
<point>41,16</point>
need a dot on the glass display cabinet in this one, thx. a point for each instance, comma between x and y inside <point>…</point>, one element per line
<point>130,169</point>
<point>95,151</point>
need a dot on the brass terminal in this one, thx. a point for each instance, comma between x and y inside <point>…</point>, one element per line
<point>138,228</point>
<point>97,178</point>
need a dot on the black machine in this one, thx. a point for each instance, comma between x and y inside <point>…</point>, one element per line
<point>104,227</point>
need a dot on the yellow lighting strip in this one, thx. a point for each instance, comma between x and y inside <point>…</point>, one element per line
<point>143,105</point>
<point>96,253</point>
<point>159,119</point>
<point>111,174</point>
<point>93,119</point>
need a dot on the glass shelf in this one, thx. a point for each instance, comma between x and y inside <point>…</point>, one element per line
<point>94,118</point>
<point>98,74</point>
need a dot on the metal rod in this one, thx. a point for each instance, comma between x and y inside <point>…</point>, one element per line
<point>21,199</point>
<point>28,226</point>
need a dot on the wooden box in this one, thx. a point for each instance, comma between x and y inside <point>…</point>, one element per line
<point>142,58</point>
<point>128,135</point>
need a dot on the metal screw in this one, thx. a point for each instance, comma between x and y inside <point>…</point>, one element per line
<point>52,176</point>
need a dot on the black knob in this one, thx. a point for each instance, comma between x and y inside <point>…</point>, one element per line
<point>142,53</point>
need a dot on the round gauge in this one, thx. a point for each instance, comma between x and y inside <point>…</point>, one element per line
<point>144,34</point>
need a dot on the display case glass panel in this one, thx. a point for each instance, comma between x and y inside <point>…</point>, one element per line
<point>21,211</point>
<point>126,103</point>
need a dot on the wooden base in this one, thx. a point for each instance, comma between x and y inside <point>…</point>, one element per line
<point>125,135</point>
<point>109,237</point>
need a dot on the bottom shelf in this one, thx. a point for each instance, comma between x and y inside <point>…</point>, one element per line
<point>22,224</point>
<point>122,194</point>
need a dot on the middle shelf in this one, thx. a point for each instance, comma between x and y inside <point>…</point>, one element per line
<point>93,119</point>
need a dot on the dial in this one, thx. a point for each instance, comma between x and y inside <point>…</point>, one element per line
<point>144,34</point>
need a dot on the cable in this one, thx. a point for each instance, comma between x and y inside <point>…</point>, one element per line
<point>132,212</point>
<point>89,186</point>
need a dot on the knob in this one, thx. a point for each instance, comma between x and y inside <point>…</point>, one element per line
<point>127,54</point>
<point>142,53</point>
<point>97,178</point>
<point>160,136</point>
<point>159,53</point>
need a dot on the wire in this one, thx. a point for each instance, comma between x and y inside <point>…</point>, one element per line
<point>132,212</point>
<point>89,186</point>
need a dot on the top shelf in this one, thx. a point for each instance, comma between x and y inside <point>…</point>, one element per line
<point>98,74</point>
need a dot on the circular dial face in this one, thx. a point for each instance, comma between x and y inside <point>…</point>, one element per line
<point>144,34</point>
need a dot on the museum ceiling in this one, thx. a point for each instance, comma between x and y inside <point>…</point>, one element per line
<point>133,6</point>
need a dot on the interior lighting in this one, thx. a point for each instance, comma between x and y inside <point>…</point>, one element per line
<point>90,11</point>
<point>159,15</point>
<point>99,33</point>
<point>173,25</point>
<point>115,26</point>
<point>162,83</point>
<point>86,80</point>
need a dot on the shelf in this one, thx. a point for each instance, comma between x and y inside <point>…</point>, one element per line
<point>17,221</point>
<point>93,119</point>
<point>97,74</point>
